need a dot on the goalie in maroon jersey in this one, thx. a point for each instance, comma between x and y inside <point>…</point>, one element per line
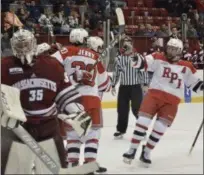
<point>45,92</point>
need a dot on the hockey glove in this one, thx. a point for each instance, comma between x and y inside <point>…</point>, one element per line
<point>80,122</point>
<point>83,77</point>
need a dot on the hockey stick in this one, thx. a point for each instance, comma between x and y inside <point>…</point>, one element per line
<point>194,142</point>
<point>47,160</point>
<point>121,23</point>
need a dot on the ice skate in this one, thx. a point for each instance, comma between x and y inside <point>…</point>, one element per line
<point>145,158</point>
<point>118,135</point>
<point>129,156</point>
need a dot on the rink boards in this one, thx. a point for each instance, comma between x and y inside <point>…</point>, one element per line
<point>110,101</point>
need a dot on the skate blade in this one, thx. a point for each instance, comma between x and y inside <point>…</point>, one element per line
<point>100,172</point>
<point>127,161</point>
<point>145,165</point>
<point>118,137</point>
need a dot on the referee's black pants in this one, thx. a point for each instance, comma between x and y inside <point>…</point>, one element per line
<point>127,94</point>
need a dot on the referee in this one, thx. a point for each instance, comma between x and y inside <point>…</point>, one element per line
<point>131,86</point>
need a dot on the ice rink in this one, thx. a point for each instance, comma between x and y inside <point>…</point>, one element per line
<point>171,154</point>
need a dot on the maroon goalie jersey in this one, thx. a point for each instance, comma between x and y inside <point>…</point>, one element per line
<point>45,90</point>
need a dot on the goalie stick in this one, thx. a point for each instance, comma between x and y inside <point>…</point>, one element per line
<point>47,160</point>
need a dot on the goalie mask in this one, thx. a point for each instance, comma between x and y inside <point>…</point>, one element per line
<point>174,49</point>
<point>126,44</point>
<point>24,46</point>
<point>78,36</point>
<point>95,43</point>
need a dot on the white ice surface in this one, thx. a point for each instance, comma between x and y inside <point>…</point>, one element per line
<point>170,155</point>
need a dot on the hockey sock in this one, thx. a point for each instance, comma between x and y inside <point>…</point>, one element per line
<point>91,145</point>
<point>73,147</point>
<point>159,129</point>
<point>140,131</point>
<point>91,149</point>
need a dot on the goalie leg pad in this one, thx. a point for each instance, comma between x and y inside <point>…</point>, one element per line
<point>20,160</point>
<point>73,147</point>
<point>91,145</point>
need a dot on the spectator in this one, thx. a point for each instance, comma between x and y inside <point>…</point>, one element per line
<point>99,30</point>
<point>200,7</point>
<point>67,9</point>
<point>186,52</point>
<point>57,20</point>
<point>5,45</point>
<point>34,11</point>
<point>201,55</point>
<point>22,5</point>
<point>95,17</point>
<point>149,31</point>
<point>174,33</point>
<point>141,30</point>
<point>65,28</point>
<point>31,25</point>
<point>45,23</point>
<point>74,19</point>
<point>200,29</point>
<point>163,31</point>
<point>192,32</point>
<point>23,14</point>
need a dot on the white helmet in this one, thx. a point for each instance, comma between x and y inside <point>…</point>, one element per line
<point>78,36</point>
<point>174,49</point>
<point>24,45</point>
<point>95,43</point>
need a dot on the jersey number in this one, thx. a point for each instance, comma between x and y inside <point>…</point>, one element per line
<point>88,67</point>
<point>36,95</point>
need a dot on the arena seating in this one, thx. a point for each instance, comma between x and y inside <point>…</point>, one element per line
<point>144,11</point>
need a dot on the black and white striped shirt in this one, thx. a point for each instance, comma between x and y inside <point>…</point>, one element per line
<point>128,75</point>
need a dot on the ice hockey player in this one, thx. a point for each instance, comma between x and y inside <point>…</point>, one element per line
<point>78,61</point>
<point>163,96</point>
<point>104,80</point>
<point>44,93</point>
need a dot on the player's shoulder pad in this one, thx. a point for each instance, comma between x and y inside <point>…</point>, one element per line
<point>187,64</point>
<point>68,50</point>
<point>159,56</point>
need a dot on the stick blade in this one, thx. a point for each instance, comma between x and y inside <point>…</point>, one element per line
<point>120,16</point>
<point>83,169</point>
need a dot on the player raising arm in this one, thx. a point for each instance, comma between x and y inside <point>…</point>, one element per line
<point>44,93</point>
<point>163,96</point>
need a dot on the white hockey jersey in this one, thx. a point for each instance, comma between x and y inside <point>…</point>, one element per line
<point>169,78</point>
<point>73,58</point>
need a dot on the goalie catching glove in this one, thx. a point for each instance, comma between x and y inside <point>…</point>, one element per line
<point>80,122</point>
